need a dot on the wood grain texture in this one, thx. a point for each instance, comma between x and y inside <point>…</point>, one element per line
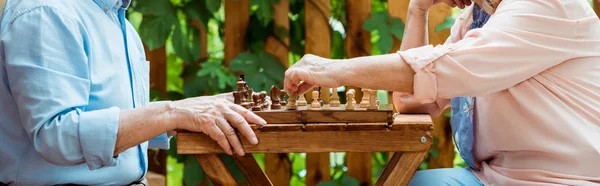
<point>281,127</point>
<point>317,168</point>
<point>360,166</point>
<point>325,127</point>
<point>401,168</point>
<point>278,168</point>
<point>237,16</point>
<point>316,29</point>
<point>158,68</point>
<point>445,145</point>
<point>282,116</point>
<point>347,116</point>
<point>280,48</point>
<point>366,126</point>
<point>596,5</point>
<point>318,141</point>
<point>215,169</point>
<point>251,170</point>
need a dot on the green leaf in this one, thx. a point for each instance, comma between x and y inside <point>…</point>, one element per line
<point>244,62</point>
<point>186,43</point>
<point>338,50</point>
<point>195,86</point>
<point>281,33</point>
<point>298,162</point>
<point>397,28</point>
<point>154,30</point>
<point>385,41</point>
<point>196,10</point>
<point>371,24</point>
<point>213,5</point>
<point>327,183</point>
<point>174,70</point>
<point>448,23</point>
<point>155,7</point>
<point>192,172</point>
<point>265,11</point>
<point>347,180</point>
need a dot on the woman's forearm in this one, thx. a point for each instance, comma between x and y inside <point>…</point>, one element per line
<point>142,124</point>
<point>416,30</point>
<point>382,72</point>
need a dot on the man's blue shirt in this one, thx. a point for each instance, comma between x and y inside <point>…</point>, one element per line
<point>67,68</point>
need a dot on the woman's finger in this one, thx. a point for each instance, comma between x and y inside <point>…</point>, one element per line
<point>459,3</point>
<point>231,136</point>
<point>217,134</point>
<point>303,88</point>
<point>236,120</point>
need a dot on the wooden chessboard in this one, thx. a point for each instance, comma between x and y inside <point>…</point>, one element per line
<point>326,114</point>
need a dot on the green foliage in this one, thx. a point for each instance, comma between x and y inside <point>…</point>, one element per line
<point>386,27</point>
<point>262,70</point>
<point>448,22</point>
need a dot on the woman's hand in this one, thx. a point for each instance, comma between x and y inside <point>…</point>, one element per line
<point>425,5</point>
<point>309,72</point>
<point>216,117</point>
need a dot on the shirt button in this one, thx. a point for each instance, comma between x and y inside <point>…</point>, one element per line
<point>105,8</point>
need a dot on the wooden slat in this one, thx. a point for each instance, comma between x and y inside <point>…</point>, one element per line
<point>318,35</point>
<point>158,68</point>
<point>283,116</point>
<point>359,116</point>
<point>318,141</point>
<point>278,168</point>
<point>397,9</point>
<point>366,126</point>
<point>360,166</point>
<point>251,170</point>
<point>317,168</point>
<point>215,169</point>
<point>237,15</point>
<point>281,19</point>
<point>401,168</point>
<point>596,5</point>
<point>444,146</point>
<point>325,127</point>
<point>281,127</point>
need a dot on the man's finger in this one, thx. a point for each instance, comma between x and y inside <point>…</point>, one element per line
<point>217,134</point>
<point>248,115</point>
<point>236,120</point>
<point>231,136</point>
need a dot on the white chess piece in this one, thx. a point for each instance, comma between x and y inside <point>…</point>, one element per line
<point>291,103</point>
<point>350,102</point>
<point>335,99</point>
<point>372,100</point>
<point>364,103</point>
<point>315,97</point>
<point>301,101</point>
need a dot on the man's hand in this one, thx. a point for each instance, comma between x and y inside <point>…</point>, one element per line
<point>309,72</point>
<point>425,5</point>
<point>217,118</point>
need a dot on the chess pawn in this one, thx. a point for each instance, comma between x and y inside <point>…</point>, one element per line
<point>301,101</point>
<point>263,100</point>
<point>372,100</point>
<point>257,106</point>
<point>350,103</point>
<point>291,103</point>
<point>316,103</point>
<point>364,103</point>
<point>334,101</point>
<point>236,98</point>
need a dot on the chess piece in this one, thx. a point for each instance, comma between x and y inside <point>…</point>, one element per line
<point>301,101</point>
<point>350,103</point>
<point>236,98</point>
<point>263,100</point>
<point>275,105</point>
<point>320,99</point>
<point>364,103</point>
<point>334,101</point>
<point>315,104</point>
<point>291,103</point>
<point>282,98</point>
<point>257,106</point>
<point>372,100</point>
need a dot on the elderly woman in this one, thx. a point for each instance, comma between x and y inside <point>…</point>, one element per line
<point>523,80</point>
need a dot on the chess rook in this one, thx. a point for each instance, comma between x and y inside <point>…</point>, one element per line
<point>364,102</point>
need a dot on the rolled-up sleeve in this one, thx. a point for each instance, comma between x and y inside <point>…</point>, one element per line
<point>48,76</point>
<point>519,41</point>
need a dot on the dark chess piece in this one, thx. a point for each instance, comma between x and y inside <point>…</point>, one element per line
<point>263,99</point>
<point>236,98</point>
<point>282,98</point>
<point>256,98</point>
<point>275,105</point>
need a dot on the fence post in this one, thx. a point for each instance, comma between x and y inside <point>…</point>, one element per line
<point>158,81</point>
<point>277,165</point>
<point>358,43</point>
<point>597,7</point>
<point>317,42</point>
<point>237,17</point>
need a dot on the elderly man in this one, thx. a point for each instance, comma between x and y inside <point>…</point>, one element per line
<point>74,93</point>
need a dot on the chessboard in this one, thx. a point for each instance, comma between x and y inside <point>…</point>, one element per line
<point>276,110</point>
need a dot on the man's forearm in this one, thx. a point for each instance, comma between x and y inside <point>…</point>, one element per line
<point>142,124</point>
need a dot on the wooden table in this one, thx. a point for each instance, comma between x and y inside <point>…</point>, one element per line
<point>408,136</point>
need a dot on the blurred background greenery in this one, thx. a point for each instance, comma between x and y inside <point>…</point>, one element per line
<point>176,24</point>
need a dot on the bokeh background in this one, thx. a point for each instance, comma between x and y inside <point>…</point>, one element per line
<point>199,47</point>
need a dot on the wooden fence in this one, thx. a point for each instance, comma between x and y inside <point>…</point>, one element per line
<point>318,42</point>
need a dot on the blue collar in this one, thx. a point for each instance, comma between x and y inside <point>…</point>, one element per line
<point>110,4</point>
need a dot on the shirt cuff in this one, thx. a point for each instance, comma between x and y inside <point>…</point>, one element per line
<point>161,142</point>
<point>421,61</point>
<point>98,137</point>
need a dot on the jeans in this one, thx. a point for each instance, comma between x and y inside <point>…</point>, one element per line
<point>447,176</point>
